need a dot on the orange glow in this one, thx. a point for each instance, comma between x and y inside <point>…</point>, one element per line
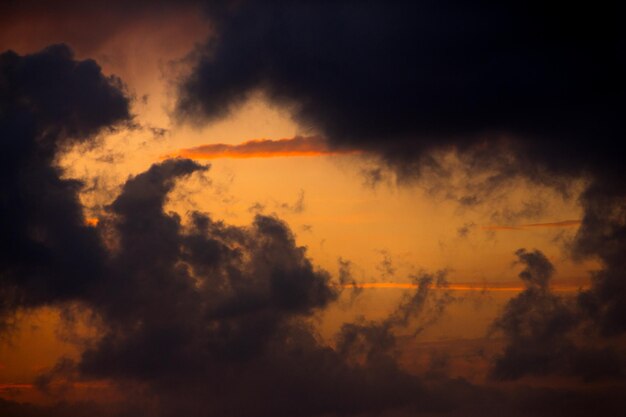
<point>92,221</point>
<point>262,148</point>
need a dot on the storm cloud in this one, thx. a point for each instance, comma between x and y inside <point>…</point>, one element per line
<point>543,332</point>
<point>401,78</point>
<point>48,102</point>
<point>199,314</point>
<point>528,90</point>
<point>205,318</point>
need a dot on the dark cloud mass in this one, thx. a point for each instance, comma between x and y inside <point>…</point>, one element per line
<point>404,77</point>
<point>201,315</point>
<point>530,89</point>
<point>203,318</point>
<point>540,329</point>
<point>48,101</point>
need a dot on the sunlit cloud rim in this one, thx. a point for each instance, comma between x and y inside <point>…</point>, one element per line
<point>263,148</point>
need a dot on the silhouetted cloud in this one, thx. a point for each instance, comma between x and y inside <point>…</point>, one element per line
<point>48,102</point>
<point>528,90</point>
<point>357,73</point>
<point>213,319</point>
<point>199,314</point>
<point>541,331</point>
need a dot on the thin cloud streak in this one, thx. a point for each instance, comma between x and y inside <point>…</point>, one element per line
<point>11,386</point>
<point>263,148</point>
<point>459,287</point>
<point>564,223</point>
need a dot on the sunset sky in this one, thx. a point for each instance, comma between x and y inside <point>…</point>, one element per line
<point>269,208</point>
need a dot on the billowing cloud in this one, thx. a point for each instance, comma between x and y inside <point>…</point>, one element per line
<point>48,101</point>
<point>204,318</point>
<point>386,77</point>
<point>541,331</point>
<point>523,90</point>
<point>197,314</point>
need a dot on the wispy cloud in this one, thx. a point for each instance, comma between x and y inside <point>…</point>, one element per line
<point>74,384</point>
<point>564,223</point>
<point>459,287</point>
<point>262,148</point>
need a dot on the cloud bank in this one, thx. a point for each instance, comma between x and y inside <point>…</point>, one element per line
<point>210,319</point>
<point>524,89</point>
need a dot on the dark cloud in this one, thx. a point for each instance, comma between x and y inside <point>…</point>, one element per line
<point>602,234</point>
<point>401,77</point>
<point>346,279</point>
<point>48,102</point>
<point>206,314</point>
<point>372,177</point>
<point>386,266</point>
<point>212,319</point>
<point>465,230</point>
<point>517,89</point>
<point>198,315</point>
<point>543,332</point>
<point>16,409</point>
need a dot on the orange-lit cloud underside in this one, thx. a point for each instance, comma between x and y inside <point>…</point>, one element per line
<point>262,148</point>
<point>461,287</point>
<point>565,223</point>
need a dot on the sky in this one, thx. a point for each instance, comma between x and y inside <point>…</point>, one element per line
<point>311,208</point>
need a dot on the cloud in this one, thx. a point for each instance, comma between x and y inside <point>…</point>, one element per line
<point>542,332</point>
<point>197,315</point>
<point>297,207</point>
<point>481,287</point>
<point>561,224</point>
<point>522,90</point>
<point>263,148</point>
<point>564,223</point>
<point>602,234</point>
<point>356,72</point>
<point>208,318</point>
<point>48,102</point>
<point>228,307</point>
